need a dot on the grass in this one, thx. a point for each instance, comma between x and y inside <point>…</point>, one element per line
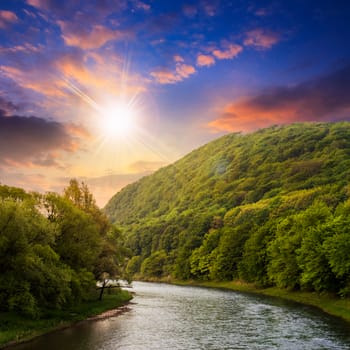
<point>15,328</point>
<point>327,302</point>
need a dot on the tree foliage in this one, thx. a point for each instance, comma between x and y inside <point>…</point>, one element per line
<point>269,207</point>
<point>53,249</point>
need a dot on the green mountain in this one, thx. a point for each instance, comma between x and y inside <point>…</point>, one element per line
<point>270,207</point>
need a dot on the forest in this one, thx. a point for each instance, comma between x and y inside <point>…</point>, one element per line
<point>271,207</point>
<point>53,250</point>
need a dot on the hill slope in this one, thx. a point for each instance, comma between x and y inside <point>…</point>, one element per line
<point>247,206</point>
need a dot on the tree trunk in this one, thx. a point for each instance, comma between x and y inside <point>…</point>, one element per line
<point>102,289</point>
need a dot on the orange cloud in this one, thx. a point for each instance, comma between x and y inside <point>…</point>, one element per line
<point>184,70</point>
<point>165,76</point>
<point>86,39</point>
<point>103,74</point>
<point>7,17</point>
<point>261,39</point>
<point>320,99</point>
<point>29,80</point>
<point>241,116</point>
<point>205,60</point>
<point>178,59</point>
<point>230,52</point>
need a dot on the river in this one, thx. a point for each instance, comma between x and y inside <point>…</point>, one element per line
<point>173,317</point>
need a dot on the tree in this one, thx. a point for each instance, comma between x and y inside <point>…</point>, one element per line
<point>110,262</point>
<point>81,197</point>
<point>31,274</point>
<point>154,264</point>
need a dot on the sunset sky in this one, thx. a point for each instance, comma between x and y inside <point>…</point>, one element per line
<point>108,91</point>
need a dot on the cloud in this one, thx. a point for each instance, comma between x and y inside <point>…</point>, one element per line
<point>261,38</point>
<point>54,7</point>
<point>92,38</point>
<point>7,17</point>
<point>6,107</point>
<point>165,76</point>
<point>142,6</point>
<point>178,59</point>
<point>205,60</point>
<point>38,3</point>
<point>33,141</point>
<point>25,48</point>
<point>29,182</point>
<point>320,99</point>
<point>184,70</point>
<point>33,80</point>
<point>228,53</point>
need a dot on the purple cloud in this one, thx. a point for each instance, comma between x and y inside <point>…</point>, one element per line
<point>33,141</point>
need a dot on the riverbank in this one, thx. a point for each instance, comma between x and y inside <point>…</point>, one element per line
<point>15,329</point>
<point>331,304</point>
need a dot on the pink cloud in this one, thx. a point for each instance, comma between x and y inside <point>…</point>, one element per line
<point>185,70</point>
<point>178,59</point>
<point>29,80</point>
<point>37,3</point>
<point>87,39</point>
<point>205,60</point>
<point>228,53</point>
<point>165,76</point>
<point>6,18</point>
<point>320,99</point>
<point>261,39</point>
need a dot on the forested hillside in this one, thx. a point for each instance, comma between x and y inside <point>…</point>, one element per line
<point>271,207</point>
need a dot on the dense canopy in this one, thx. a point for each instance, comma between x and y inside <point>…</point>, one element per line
<point>269,207</point>
<point>53,249</point>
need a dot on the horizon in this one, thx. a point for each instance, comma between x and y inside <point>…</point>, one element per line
<point>109,92</point>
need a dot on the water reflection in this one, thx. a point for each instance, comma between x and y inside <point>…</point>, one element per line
<point>173,317</point>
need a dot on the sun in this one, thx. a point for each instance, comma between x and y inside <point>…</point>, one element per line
<point>117,119</point>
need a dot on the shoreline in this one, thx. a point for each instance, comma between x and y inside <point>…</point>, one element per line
<point>328,303</point>
<point>120,308</point>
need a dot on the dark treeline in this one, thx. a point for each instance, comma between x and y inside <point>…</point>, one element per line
<point>271,207</point>
<point>53,249</point>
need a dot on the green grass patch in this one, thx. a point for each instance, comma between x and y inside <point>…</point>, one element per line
<point>15,328</point>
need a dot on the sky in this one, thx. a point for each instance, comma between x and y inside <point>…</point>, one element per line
<point>109,91</point>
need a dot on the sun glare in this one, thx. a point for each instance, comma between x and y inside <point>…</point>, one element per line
<point>117,119</point>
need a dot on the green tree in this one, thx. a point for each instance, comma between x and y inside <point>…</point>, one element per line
<point>154,264</point>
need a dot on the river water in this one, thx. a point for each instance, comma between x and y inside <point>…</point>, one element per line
<point>173,317</point>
